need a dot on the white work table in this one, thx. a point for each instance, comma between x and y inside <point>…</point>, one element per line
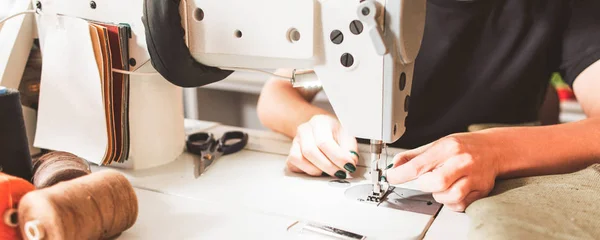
<point>250,195</point>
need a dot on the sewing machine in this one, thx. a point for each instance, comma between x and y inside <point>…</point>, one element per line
<point>346,43</point>
<point>362,54</point>
<point>357,48</point>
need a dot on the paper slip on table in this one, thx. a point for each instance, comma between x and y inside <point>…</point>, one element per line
<point>251,195</point>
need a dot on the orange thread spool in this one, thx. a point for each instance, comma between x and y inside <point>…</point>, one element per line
<point>12,190</point>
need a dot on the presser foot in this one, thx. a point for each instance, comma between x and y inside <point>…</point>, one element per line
<point>377,197</point>
<point>364,193</point>
<point>379,192</point>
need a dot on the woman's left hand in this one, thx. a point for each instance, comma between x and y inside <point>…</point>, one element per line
<point>457,169</point>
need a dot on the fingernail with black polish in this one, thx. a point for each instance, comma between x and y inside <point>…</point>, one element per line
<point>324,174</point>
<point>350,167</point>
<point>355,154</point>
<point>340,174</point>
<point>389,166</point>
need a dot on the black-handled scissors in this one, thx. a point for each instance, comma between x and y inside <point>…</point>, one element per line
<point>210,149</point>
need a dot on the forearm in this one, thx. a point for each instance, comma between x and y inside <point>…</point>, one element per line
<point>532,151</point>
<point>559,148</point>
<point>283,108</point>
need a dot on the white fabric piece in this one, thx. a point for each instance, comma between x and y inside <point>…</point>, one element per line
<point>71,113</point>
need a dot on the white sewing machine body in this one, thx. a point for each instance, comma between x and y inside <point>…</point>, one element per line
<point>363,53</point>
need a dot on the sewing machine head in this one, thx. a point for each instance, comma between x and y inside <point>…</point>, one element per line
<point>362,52</point>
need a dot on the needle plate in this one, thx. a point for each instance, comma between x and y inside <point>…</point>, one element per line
<point>397,198</point>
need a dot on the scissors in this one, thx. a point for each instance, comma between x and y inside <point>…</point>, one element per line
<point>210,149</point>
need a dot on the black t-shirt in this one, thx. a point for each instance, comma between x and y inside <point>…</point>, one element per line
<point>490,61</point>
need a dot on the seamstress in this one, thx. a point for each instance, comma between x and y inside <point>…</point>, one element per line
<point>481,61</point>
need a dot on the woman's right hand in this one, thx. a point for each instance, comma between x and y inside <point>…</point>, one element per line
<point>323,148</point>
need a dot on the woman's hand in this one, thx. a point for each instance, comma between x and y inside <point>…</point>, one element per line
<point>322,147</point>
<point>457,169</point>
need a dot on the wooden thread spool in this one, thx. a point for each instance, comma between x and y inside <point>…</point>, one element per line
<point>12,190</point>
<point>96,206</point>
<point>56,167</point>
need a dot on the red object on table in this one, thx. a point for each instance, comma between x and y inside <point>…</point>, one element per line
<point>565,94</point>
